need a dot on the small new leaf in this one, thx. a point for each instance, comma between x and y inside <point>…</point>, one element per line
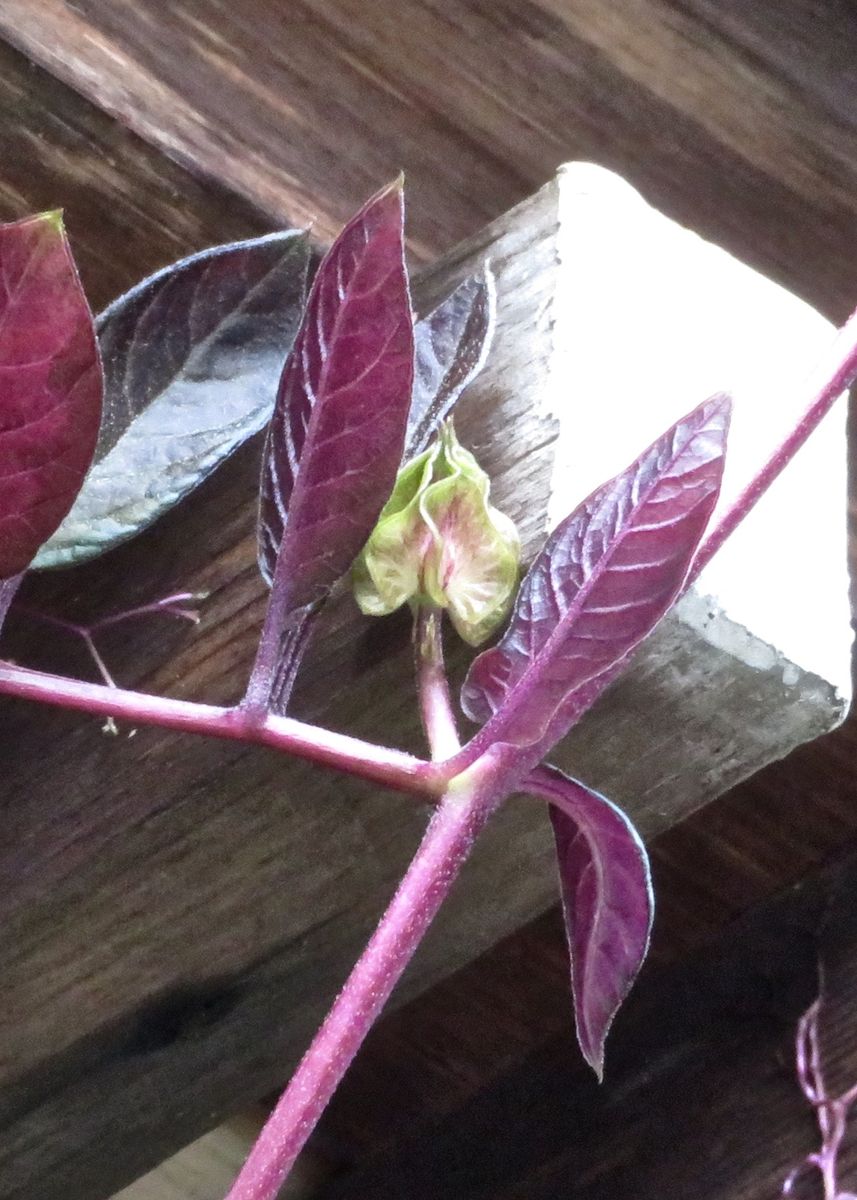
<point>192,356</point>
<point>337,434</point>
<point>451,345</point>
<point>50,386</point>
<point>607,901</point>
<point>605,577</point>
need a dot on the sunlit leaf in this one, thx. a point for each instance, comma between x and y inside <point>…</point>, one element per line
<point>607,901</point>
<point>191,358</point>
<point>337,434</point>
<point>605,577</point>
<point>50,386</point>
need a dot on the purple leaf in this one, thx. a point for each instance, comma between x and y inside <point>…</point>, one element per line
<point>605,577</point>
<point>451,345</point>
<point>8,590</point>
<point>192,357</point>
<point>50,386</point>
<point>337,434</point>
<point>607,901</point>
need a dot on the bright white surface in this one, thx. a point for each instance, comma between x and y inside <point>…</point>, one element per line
<point>651,319</point>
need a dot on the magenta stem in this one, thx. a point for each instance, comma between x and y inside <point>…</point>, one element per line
<point>444,848</point>
<point>438,715</point>
<point>379,764</point>
<point>836,372</point>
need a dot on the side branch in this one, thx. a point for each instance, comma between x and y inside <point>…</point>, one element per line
<point>378,764</point>
<point>834,374</point>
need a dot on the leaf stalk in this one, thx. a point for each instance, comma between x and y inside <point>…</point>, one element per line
<point>378,764</point>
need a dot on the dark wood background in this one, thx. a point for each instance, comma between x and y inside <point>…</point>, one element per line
<point>165,126</point>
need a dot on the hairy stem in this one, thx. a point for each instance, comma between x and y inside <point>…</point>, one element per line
<point>378,764</point>
<point>438,715</point>
<point>447,842</point>
<point>836,372</point>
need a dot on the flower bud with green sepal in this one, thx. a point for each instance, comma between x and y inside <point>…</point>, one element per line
<point>439,542</point>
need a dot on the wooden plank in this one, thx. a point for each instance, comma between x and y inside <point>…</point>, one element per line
<point>434,1056</point>
<point>206,1169</point>
<point>129,209</point>
<point>166,848</point>
<point>700,1100</point>
<point>144,844</point>
<point>306,107</point>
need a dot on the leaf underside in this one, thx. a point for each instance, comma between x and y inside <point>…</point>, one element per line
<point>451,345</point>
<point>607,901</point>
<point>50,386</point>
<point>191,358</point>
<point>603,580</point>
<point>337,435</point>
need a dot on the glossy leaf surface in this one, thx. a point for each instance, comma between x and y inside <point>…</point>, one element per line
<point>605,577</point>
<point>607,901</point>
<point>50,386</point>
<point>450,345</point>
<point>338,430</point>
<point>192,356</point>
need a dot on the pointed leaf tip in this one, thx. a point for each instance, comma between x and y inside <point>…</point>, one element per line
<point>337,435</point>
<point>54,220</point>
<point>607,901</point>
<point>603,580</point>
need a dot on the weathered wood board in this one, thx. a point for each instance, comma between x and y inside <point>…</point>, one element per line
<point>701,1101</point>
<point>126,895</point>
<point>735,118</point>
<point>195,996</point>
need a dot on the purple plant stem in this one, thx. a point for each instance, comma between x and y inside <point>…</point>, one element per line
<point>836,372</point>
<point>379,764</point>
<point>334,1047</point>
<point>169,605</point>
<point>436,709</point>
<point>831,1112</point>
<point>447,842</point>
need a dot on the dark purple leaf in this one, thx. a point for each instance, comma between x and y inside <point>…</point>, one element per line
<point>337,434</point>
<point>451,345</point>
<point>192,356</point>
<point>605,577</point>
<point>50,386</point>
<point>607,901</point>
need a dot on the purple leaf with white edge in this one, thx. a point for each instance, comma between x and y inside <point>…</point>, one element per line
<point>337,435</point>
<point>607,901</point>
<point>50,386</point>
<point>605,577</point>
<point>451,345</point>
<point>8,590</point>
<point>192,357</point>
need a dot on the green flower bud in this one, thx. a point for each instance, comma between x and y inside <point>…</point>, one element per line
<point>438,541</point>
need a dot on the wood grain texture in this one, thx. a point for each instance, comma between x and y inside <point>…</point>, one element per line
<point>740,123</point>
<point>304,109</point>
<point>206,1169</point>
<point>700,1102</point>
<point>154,923</point>
<point>439,1053</point>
